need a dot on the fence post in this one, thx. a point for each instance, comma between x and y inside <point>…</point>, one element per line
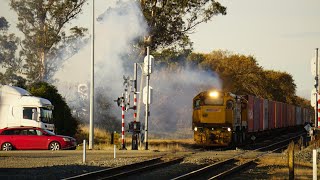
<point>84,152</point>
<point>291,160</point>
<point>314,164</point>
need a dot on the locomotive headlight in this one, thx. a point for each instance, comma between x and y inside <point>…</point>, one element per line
<point>195,129</point>
<point>229,129</point>
<point>213,94</point>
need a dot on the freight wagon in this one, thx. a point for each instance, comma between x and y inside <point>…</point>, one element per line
<point>221,118</point>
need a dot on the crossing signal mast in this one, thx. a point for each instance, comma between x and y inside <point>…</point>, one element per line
<point>315,92</point>
<point>130,86</point>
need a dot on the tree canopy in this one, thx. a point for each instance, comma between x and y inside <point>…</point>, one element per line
<point>242,74</point>
<point>170,22</point>
<point>43,26</point>
<point>8,60</point>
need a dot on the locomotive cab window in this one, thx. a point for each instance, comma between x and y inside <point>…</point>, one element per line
<point>197,104</point>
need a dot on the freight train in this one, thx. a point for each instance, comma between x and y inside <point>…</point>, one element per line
<point>222,118</point>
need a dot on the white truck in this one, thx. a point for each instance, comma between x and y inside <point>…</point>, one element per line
<point>19,108</point>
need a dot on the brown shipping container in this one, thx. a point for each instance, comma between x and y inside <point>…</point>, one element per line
<point>250,113</point>
<point>256,114</point>
<point>279,114</point>
<point>261,115</point>
<point>272,114</point>
<point>284,115</point>
<point>265,114</point>
<point>289,118</point>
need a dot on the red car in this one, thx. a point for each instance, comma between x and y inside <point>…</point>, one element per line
<point>23,138</point>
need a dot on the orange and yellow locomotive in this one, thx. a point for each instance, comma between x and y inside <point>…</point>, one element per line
<point>221,118</point>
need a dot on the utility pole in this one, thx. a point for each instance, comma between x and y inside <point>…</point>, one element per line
<point>135,133</point>
<point>91,132</point>
<point>317,90</point>
<point>147,103</point>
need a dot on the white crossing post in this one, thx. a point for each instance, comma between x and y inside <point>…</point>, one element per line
<point>314,164</point>
<point>84,152</point>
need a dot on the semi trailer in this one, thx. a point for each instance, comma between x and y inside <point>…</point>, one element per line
<point>19,108</point>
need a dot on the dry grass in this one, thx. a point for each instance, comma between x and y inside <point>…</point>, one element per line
<point>278,167</point>
<point>102,141</point>
<point>102,138</point>
<point>170,144</point>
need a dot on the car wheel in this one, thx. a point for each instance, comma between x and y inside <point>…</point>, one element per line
<point>54,146</point>
<point>6,146</point>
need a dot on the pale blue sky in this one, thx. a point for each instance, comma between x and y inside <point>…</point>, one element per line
<point>281,34</point>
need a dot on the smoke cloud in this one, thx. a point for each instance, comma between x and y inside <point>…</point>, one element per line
<point>117,30</point>
<point>173,93</point>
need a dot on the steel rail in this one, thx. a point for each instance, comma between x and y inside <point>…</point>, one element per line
<point>100,173</point>
<point>233,159</point>
<point>143,169</point>
<point>249,162</point>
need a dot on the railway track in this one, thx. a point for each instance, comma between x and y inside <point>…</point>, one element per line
<point>218,170</point>
<point>225,168</point>
<point>128,170</point>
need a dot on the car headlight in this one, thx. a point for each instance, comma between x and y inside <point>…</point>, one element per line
<point>229,129</point>
<point>195,129</point>
<point>66,139</point>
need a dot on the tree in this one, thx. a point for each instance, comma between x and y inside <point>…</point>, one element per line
<point>240,74</point>
<point>281,85</point>
<point>8,60</point>
<point>43,25</point>
<point>63,120</point>
<point>170,22</point>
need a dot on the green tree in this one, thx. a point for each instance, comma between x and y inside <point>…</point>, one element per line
<point>43,25</point>
<point>171,22</point>
<point>8,60</point>
<point>64,122</point>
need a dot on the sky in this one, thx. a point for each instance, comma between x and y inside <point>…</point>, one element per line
<point>281,35</point>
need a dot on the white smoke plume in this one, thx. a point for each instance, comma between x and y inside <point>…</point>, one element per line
<point>173,94</point>
<point>117,29</point>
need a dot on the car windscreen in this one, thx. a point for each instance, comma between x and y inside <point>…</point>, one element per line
<point>49,132</point>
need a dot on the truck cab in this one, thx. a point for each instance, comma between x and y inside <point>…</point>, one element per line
<point>19,108</point>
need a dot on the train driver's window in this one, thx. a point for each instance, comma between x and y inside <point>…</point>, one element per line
<point>197,104</point>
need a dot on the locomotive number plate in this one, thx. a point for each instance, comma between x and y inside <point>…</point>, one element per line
<point>213,110</point>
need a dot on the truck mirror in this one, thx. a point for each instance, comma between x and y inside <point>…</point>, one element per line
<point>34,114</point>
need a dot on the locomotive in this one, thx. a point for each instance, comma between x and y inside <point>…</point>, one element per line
<point>222,118</point>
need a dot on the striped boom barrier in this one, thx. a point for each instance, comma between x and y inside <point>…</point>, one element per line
<point>318,114</point>
<point>123,147</point>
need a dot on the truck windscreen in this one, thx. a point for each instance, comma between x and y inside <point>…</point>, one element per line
<point>46,115</point>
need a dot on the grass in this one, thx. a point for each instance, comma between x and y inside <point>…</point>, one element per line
<point>102,141</point>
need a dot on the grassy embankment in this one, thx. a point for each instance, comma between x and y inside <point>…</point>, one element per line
<point>102,141</point>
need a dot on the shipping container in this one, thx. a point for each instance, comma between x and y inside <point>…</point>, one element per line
<point>289,115</point>
<point>265,115</point>
<point>261,115</point>
<point>272,114</point>
<point>299,116</point>
<point>250,113</point>
<point>284,115</point>
<point>279,114</point>
<point>256,114</point>
<point>293,116</point>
